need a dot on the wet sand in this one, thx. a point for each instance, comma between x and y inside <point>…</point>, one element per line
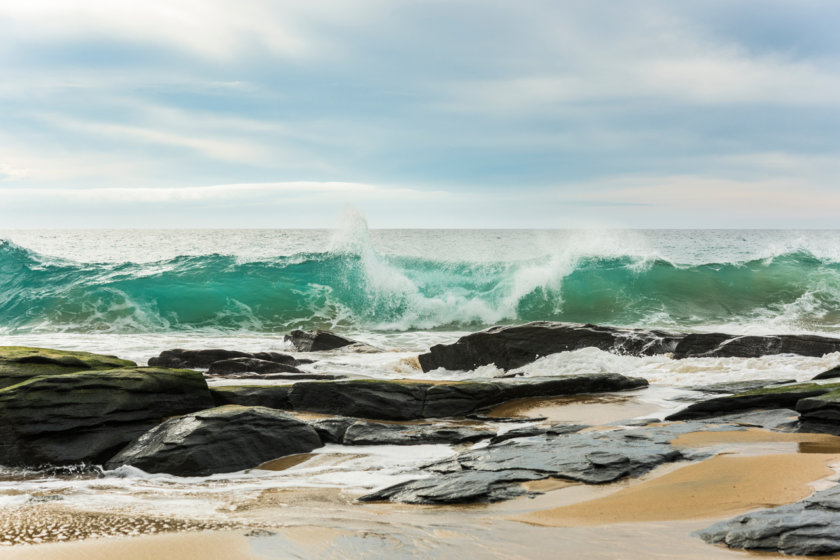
<point>584,409</point>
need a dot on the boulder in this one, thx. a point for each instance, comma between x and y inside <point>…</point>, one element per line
<point>720,345</point>
<point>242,365</point>
<point>319,341</point>
<point>88,416</point>
<point>786,396</point>
<point>179,358</point>
<point>19,363</point>
<point>810,527</point>
<point>515,346</point>
<point>219,440</point>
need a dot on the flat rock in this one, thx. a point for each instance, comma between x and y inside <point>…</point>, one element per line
<point>180,358</point>
<point>719,345</point>
<point>829,374</point>
<point>319,341</point>
<point>731,387</point>
<point>19,363</point>
<point>271,396</point>
<point>253,365</point>
<point>810,527</point>
<point>534,431</point>
<point>372,433</point>
<point>775,397</point>
<point>219,440</point>
<point>822,407</point>
<point>88,416</point>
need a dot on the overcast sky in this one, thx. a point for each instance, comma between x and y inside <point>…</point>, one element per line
<point>427,113</point>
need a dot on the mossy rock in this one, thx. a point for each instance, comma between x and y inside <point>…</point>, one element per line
<point>90,415</point>
<point>19,363</point>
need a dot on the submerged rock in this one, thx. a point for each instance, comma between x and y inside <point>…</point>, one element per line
<point>19,363</point>
<point>88,416</point>
<point>807,528</point>
<point>319,341</point>
<point>219,440</point>
<point>510,347</point>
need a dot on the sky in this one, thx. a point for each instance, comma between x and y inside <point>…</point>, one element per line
<point>420,113</point>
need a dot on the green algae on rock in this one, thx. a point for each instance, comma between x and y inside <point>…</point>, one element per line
<point>19,363</point>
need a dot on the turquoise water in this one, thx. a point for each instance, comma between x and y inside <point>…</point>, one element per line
<point>388,281</point>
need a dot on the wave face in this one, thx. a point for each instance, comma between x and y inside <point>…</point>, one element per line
<point>351,288</point>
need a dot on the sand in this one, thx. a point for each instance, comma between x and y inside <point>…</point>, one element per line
<point>719,487</point>
<point>583,409</point>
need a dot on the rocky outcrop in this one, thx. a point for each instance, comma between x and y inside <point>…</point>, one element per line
<point>319,341</point>
<point>88,416</point>
<point>515,346</point>
<point>179,358</point>
<point>787,396</point>
<point>254,365</point>
<point>219,440</point>
<point>824,408</point>
<point>720,345</point>
<point>372,433</point>
<point>19,363</point>
<point>807,528</point>
<point>411,400</point>
<point>829,374</point>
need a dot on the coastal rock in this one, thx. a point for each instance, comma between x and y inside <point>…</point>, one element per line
<point>810,527</point>
<point>332,430</point>
<point>372,433</point>
<point>731,387</point>
<point>219,440</point>
<point>179,358</point>
<point>823,408</point>
<point>829,374</point>
<point>775,397</point>
<point>271,396</point>
<point>19,363</point>
<point>487,474</point>
<point>254,365</point>
<point>720,345</point>
<point>319,341</point>
<point>534,431</point>
<point>515,346</point>
<point>88,416</point>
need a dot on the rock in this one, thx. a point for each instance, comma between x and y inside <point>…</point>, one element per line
<point>283,376</point>
<point>179,358</point>
<point>720,345</point>
<point>776,397</point>
<point>372,433</point>
<point>319,341</point>
<point>778,420</point>
<point>412,400</point>
<point>271,396</point>
<point>515,346</point>
<point>807,528</point>
<point>332,430</point>
<point>821,408</point>
<point>829,374</point>
<point>88,416</point>
<point>242,365</point>
<point>486,474</point>
<point>19,363</point>
<point>219,440</point>
<point>534,431</point>
<point>739,386</point>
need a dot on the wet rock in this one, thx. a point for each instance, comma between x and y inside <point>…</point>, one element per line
<point>807,528</point>
<point>319,341</point>
<point>514,346</point>
<point>822,407</point>
<point>271,396</point>
<point>19,363</point>
<point>486,474</point>
<point>254,365</point>
<point>771,398</point>
<point>302,376</point>
<point>219,440</point>
<point>779,420</point>
<point>731,387</point>
<point>829,374</point>
<point>332,430</point>
<point>534,431</point>
<point>179,358</point>
<point>721,345</point>
<point>371,433</point>
<point>88,416</point>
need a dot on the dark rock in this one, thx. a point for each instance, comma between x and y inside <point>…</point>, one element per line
<point>720,345</point>
<point>777,397</point>
<point>332,430</point>
<point>19,363</point>
<point>302,376</point>
<point>739,386</point>
<point>829,374</point>
<point>242,365</point>
<point>514,346</point>
<point>534,431</point>
<point>318,341</point>
<point>382,400</point>
<point>179,358</point>
<point>271,396</point>
<point>807,528</point>
<point>780,419</point>
<point>486,474</point>
<point>371,433</point>
<point>821,407</point>
<point>219,440</point>
<point>88,416</point>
